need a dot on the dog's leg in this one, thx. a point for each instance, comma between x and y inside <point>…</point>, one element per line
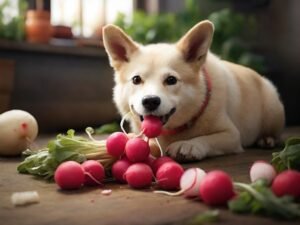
<point>219,143</point>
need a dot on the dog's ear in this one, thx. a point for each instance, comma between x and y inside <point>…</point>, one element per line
<point>196,42</point>
<point>118,45</point>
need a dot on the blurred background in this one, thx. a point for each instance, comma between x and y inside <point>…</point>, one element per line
<point>53,64</point>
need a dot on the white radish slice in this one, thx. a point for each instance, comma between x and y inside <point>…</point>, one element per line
<point>106,192</point>
<point>189,183</point>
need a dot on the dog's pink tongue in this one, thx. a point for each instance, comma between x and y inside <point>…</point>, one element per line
<point>152,126</point>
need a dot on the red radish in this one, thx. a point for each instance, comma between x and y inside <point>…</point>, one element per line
<point>216,188</point>
<point>190,181</point>
<point>168,176</point>
<point>151,126</point>
<point>262,170</point>
<point>150,160</point>
<point>69,175</point>
<point>94,172</point>
<point>287,183</point>
<point>139,175</point>
<point>119,168</point>
<point>160,161</point>
<point>137,150</point>
<point>115,144</point>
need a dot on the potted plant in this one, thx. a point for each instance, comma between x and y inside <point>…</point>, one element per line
<point>12,27</point>
<point>38,24</point>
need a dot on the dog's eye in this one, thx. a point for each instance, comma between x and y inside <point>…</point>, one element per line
<point>170,80</point>
<point>136,80</point>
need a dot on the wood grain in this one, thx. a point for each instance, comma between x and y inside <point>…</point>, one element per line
<point>124,205</point>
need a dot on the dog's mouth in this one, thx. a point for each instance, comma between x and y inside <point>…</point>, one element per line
<point>163,118</point>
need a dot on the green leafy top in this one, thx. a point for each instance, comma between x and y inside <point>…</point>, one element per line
<point>289,157</point>
<point>67,147</point>
<point>206,217</point>
<point>258,198</point>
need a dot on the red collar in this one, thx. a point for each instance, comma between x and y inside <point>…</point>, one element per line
<point>200,112</point>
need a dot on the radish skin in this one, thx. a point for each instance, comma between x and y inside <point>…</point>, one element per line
<point>168,176</point>
<point>287,183</point>
<point>119,168</point>
<point>151,126</point>
<point>159,162</point>
<point>262,170</point>
<point>137,150</point>
<point>115,144</point>
<point>139,175</point>
<point>69,175</point>
<point>18,129</point>
<point>216,188</point>
<point>94,172</point>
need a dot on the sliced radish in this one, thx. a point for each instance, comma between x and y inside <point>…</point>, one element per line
<point>190,181</point>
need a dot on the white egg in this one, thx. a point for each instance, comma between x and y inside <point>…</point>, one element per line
<point>18,129</point>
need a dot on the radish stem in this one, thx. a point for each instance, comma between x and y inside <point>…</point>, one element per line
<point>160,148</point>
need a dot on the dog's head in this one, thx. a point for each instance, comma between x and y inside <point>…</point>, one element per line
<point>159,79</point>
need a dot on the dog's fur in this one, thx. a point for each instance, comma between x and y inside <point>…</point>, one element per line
<point>243,106</point>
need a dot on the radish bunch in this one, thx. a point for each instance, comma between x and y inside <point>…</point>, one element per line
<point>136,149</point>
<point>136,166</point>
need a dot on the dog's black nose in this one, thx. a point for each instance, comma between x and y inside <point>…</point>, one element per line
<point>151,102</point>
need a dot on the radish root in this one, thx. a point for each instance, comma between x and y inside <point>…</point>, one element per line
<point>93,178</point>
<point>170,193</point>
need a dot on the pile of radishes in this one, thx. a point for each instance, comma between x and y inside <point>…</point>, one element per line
<point>135,165</point>
<point>139,169</point>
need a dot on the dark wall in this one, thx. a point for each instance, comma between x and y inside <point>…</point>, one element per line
<point>61,87</point>
<point>279,39</point>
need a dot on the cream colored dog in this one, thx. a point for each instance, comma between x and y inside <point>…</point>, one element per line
<point>208,106</point>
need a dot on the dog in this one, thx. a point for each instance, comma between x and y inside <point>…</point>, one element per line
<point>208,106</point>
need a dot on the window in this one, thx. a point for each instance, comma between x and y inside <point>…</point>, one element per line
<point>85,17</point>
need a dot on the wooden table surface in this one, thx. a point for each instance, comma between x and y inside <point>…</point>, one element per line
<point>124,205</point>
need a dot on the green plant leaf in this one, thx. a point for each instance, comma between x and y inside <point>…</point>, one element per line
<point>205,218</point>
<point>258,198</point>
<point>289,157</point>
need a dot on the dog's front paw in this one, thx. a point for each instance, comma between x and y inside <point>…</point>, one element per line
<point>186,151</point>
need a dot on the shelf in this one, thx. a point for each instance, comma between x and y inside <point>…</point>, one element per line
<point>56,46</point>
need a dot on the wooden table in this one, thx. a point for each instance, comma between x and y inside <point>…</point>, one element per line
<point>124,205</point>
